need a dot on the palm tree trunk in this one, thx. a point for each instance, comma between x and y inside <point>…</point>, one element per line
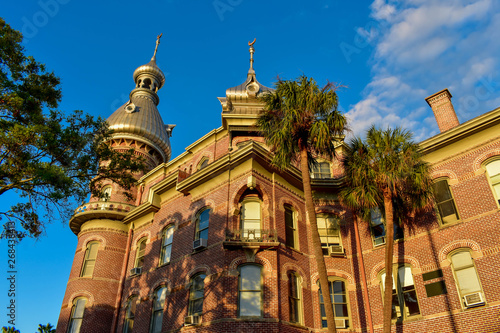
<point>316,243</point>
<point>389,249</point>
<point>363,274</point>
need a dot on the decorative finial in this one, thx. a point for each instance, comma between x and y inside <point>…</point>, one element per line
<point>157,43</point>
<point>252,50</point>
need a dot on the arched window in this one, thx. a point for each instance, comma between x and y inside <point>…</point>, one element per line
<point>75,321</point>
<point>329,234</point>
<point>202,224</point>
<point>140,252</point>
<point>404,294</point>
<point>196,294</point>
<point>158,305</point>
<point>295,297</point>
<point>444,201</point>
<point>89,260</point>
<point>251,218</point>
<point>466,278</point>
<point>106,192</point>
<point>166,245</point>
<point>290,227</point>
<point>493,171</point>
<point>203,163</point>
<point>250,291</point>
<point>339,298</point>
<point>321,170</point>
<point>130,314</point>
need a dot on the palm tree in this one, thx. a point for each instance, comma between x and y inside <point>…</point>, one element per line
<point>300,121</point>
<point>386,168</point>
<point>46,328</point>
<point>10,329</point>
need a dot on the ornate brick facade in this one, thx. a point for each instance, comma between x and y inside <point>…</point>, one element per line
<point>174,193</point>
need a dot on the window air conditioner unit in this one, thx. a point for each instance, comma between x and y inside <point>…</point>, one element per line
<point>336,249</point>
<point>340,323</point>
<point>474,299</point>
<point>136,271</point>
<point>192,320</point>
<point>199,244</point>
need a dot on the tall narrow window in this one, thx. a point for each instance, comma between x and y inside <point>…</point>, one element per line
<point>250,219</point>
<point>444,201</point>
<point>166,245</point>
<point>493,170</point>
<point>75,321</point>
<point>89,261</point>
<point>250,291</point>
<point>329,233</point>
<point>130,314</point>
<point>290,227</point>
<point>467,279</point>
<point>294,297</point>
<point>321,171</point>
<point>338,296</point>
<point>377,225</point>
<point>404,295</point>
<point>202,224</point>
<point>196,294</point>
<point>140,253</point>
<point>158,305</point>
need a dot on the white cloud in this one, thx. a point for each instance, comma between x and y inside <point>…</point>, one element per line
<point>421,47</point>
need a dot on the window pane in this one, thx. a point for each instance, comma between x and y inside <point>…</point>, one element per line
<point>203,234</point>
<point>461,259</point>
<point>447,208</point>
<point>493,168</point>
<point>157,319</point>
<point>79,308</point>
<point>250,277</point>
<point>442,190</point>
<point>250,303</point>
<point>405,277</point>
<point>92,250</point>
<point>340,310</point>
<point>289,227</point>
<point>411,302</point>
<point>160,296</point>
<point>197,306</point>
<point>75,326</point>
<point>168,235</point>
<point>467,280</point>
<point>89,268</point>
<point>251,210</point>
<point>204,217</point>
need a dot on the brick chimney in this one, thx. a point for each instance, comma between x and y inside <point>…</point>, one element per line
<point>443,110</point>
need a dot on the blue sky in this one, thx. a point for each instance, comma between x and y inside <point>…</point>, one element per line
<point>389,55</point>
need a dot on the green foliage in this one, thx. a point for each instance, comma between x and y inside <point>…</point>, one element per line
<point>386,171</point>
<point>46,328</point>
<point>388,161</point>
<point>49,158</point>
<point>9,329</point>
<point>300,113</point>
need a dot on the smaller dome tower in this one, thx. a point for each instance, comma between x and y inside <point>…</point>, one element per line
<point>138,123</point>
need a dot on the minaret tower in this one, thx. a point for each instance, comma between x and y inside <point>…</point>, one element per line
<point>98,270</point>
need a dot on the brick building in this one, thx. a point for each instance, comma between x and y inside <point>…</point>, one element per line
<point>217,240</point>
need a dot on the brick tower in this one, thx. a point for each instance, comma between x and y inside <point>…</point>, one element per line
<point>95,285</point>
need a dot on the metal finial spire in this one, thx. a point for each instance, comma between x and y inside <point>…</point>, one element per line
<point>156,48</point>
<point>252,50</point>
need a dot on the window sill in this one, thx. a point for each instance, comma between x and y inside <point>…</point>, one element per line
<point>163,265</point>
<point>407,319</point>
